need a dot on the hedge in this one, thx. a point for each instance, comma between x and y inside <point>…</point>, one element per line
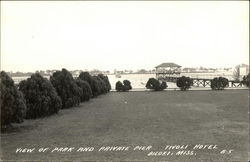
<point>41,97</point>
<point>13,107</point>
<point>66,88</point>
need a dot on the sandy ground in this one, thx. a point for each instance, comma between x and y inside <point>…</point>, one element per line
<point>131,119</point>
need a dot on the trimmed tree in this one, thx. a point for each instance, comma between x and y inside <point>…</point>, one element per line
<point>219,83</point>
<point>156,84</point>
<point>184,83</point>
<point>246,80</point>
<point>41,97</point>
<point>127,85</point>
<point>119,86</point>
<point>92,82</point>
<point>101,84</point>
<point>66,88</point>
<point>13,107</point>
<point>106,81</point>
<point>163,85</point>
<point>86,89</point>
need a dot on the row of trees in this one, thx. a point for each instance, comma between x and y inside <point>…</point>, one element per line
<point>37,96</point>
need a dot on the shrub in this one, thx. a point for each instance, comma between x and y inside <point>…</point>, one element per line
<point>163,85</point>
<point>92,82</point>
<point>184,83</point>
<point>86,89</point>
<point>99,84</point>
<point>106,80</point>
<point>13,107</point>
<point>119,86</point>
<point>156,84</point>
<point>246,80</point>
<point>219,83</point>
<point>66,88</point>
<point>126,85</point>
<point>19,108</point>
<point>41,97</point>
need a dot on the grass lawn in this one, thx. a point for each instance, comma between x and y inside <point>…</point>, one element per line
<point>131,119</point>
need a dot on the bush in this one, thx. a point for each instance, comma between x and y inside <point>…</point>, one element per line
<point>219,83</point>
<point>184,83</point>
<point>163,85</point>
<point>41,97</point>
<point>246,80</point>
<point>99,84</point>
<point>66,88</point>
<point>119,86</point>
<point>106,80</point>
<point>86,89</point>
<point>92,82</point>
<point>125,86</point>
<point>13,107</point>
<point>156,84</point>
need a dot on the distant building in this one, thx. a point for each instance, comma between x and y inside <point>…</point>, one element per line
<point>244,69</point>
<point>240,71</point>
<point>167,68</point>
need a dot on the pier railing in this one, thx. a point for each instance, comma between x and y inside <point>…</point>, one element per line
<point>203,82</point>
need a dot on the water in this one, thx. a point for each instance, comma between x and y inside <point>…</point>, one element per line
<point>140,80</point>
<point>137,80</point>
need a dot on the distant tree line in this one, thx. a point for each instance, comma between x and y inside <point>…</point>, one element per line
<point>38,96</point>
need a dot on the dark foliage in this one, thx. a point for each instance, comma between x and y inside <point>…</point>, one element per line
<point>102,88</point>
<point>246,80</point>
<point>156,84</point>
<point>66,88</point>
<point>125,86</point>
<point>19,108</point>
<point>99,84</point>
<point>92,82</point>
<point>119,86</point>
<point>13,107</point>
<point>163,85</point>
<point>184,83</point>
<point>106,80</point>
<point>41,97</point>
<point>86,89</point>
<point>219,83</point>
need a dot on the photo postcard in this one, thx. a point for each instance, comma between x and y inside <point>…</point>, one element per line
<point>153,81</point>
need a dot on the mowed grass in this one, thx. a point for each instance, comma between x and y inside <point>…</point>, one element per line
<point>135,119</point>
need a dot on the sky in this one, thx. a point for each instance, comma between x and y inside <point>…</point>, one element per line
<point>108,35</point>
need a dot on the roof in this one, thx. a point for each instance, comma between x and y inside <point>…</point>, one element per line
<point>168,64</point>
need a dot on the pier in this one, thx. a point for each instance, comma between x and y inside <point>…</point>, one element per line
<point>202,82</point>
